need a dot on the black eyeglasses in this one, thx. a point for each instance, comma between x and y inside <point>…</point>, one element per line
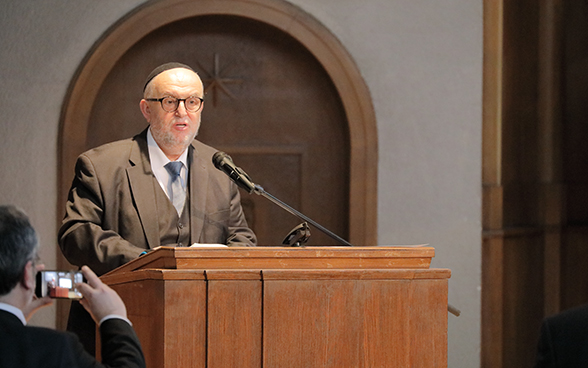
<point>170,104</point>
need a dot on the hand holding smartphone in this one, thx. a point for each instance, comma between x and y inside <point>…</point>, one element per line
<point>58,284</point>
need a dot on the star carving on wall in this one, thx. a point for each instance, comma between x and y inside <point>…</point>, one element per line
<point>217,82</point>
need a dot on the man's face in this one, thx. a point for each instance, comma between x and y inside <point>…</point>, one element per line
<point>173,131</point>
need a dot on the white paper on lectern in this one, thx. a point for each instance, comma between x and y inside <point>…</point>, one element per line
<point>200,245</point>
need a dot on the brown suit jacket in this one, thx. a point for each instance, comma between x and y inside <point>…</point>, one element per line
<point>111,213</point>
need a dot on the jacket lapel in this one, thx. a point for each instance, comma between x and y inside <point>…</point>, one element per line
<point>198,189</point>
<point>141,184</point>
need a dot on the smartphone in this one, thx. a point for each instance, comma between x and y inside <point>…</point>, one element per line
<point>58,284</point>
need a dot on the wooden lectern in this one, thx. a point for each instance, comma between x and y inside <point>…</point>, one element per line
<point>287,307</point>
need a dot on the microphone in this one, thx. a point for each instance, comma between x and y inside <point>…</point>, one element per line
<point>225,163</point>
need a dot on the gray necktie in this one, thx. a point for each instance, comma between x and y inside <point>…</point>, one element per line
<point>177,195</point>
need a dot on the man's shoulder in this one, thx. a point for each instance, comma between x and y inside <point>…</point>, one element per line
<point>118,151</point>
<point>112,148</point>
<point>31,346</point>
<point>34,334</point>
<point>45,333</point>
<point>203,154</point>
<point>203,149</point>
<point>572,317</point>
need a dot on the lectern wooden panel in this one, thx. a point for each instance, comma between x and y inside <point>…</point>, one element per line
<point>247,307</point>
<point>355,319</point>
<point>234,319</point>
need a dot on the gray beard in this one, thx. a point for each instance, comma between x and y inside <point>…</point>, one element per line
<point>168,140</point>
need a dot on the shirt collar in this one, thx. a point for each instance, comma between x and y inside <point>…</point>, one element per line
<point>14,310</point>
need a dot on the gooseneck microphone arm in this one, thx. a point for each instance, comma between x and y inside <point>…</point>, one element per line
<point>224,163</point>
<point>260,191</point>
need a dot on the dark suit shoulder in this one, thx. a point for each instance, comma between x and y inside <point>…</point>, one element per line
<point>29,346</point>
<point>564,338</point>
<point>577,316</point>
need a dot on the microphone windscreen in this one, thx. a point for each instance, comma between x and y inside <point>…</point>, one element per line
<point>218,158</point>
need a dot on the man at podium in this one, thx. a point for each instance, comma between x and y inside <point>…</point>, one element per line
<point>157,188</point>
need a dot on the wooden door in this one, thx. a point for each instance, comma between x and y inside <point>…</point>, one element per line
<point>268,103</point>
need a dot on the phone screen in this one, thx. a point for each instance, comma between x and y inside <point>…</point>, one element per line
<point>58,284</point>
